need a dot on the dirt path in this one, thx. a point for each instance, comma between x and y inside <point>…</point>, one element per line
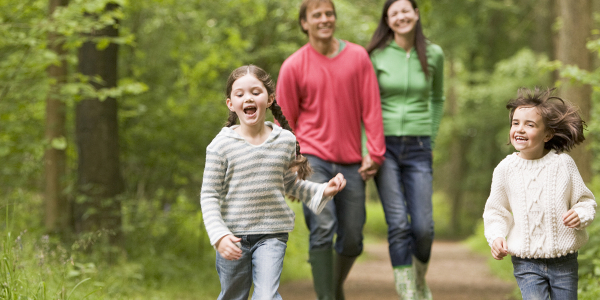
<point>454,273</point>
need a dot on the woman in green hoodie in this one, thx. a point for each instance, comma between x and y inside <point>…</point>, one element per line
<point>410,72</point>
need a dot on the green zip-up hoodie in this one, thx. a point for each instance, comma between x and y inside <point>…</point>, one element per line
<point>411,104</point>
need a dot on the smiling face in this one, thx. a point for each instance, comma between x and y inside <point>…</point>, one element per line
<point>402,17</point>
<point>528,132</point>
<point>249,99</point>
<point>320,21</point>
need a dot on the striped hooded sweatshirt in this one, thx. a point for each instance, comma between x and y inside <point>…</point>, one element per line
<point>244,185</point>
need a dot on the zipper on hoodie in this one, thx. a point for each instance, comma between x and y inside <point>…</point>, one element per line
<point>405,89</point>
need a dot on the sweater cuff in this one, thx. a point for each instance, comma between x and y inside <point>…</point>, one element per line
<point>584,219</point>
<point>318,202</point>
<point>219,238</point>
<point>492,238</point>
<point>378,159</point>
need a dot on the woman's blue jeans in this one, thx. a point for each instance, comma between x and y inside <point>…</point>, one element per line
<point>404,183</point>
<point>261,263</point>
<point>547,278</point>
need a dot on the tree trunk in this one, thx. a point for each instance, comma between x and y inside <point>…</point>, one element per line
<point>541,41</point>
<point>99,174</point>
<point>57,215</point>
<point>456,163</point>
<point>576,22</point>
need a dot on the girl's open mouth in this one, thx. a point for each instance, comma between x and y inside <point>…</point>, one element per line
<point>250,110</point>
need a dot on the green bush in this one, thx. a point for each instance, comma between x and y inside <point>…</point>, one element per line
<point>589,256</point>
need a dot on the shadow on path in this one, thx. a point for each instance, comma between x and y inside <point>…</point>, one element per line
<point>455,273</point>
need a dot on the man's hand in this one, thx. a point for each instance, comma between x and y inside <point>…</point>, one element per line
<point>227,247</point>
<point>368,169</point>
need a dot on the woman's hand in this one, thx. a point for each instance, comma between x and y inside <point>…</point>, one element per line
<point>227,247</point>
<point>499,248</point>
<point>335,185</point>
<point>571,219</point>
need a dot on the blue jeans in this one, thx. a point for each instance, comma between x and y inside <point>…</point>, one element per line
<point>261,263</point>
<point>547,278</point>
<point>345,215</point>
<point>404,183</point>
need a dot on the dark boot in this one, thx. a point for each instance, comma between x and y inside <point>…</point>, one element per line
<point>343,264</point>
<point>321,262</point>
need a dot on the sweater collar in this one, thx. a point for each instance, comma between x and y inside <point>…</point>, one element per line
<point>229,132</point>
<point>394,45</point>
<point>532,163</point>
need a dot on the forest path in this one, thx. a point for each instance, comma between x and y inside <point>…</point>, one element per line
<point>455,272</point>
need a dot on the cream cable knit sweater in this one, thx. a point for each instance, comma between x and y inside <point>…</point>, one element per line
<point>527,201</point>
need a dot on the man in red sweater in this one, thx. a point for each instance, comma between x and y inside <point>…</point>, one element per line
<point>327,90</point>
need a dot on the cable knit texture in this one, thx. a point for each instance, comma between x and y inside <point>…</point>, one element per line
<point>527,201</point>
<point>244,185</point>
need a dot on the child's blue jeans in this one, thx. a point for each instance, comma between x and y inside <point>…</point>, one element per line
<point>547,278</point>
<point>261,263</point>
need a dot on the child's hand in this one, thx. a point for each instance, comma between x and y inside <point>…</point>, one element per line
<point>227,247</point>
<point>335,185</point>
<point>571,219</point>
<point>499,248</point>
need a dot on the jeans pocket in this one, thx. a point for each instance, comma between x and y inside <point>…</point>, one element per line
<point>282,237</point>
<point>425,143</point>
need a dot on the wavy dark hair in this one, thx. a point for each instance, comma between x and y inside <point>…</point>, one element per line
<point>384,34</point>
<point>300,165</point>
<point>561,118</point>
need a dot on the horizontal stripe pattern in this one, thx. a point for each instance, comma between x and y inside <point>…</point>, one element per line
<point>243,185</point>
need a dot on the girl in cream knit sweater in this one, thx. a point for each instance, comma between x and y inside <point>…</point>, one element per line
<point>539,205</point>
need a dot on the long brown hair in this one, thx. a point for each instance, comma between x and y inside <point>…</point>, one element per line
<point>561,118</point>
<point>300,164</point>
<point>383,34</point>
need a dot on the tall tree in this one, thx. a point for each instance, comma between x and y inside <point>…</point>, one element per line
<point>57,209</point>
<point>96,129</point>
<point>457,165</point>
<point>576,22</point>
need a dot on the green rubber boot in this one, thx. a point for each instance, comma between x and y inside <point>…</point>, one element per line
<point>342,267</point>
<point>321,262</point>
<point>406,286</point>
<point>423,290</point>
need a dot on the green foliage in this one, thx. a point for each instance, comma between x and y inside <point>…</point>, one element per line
<point>589,256</point>
<point>33,265</point>
<point>25,27</point>
<point>441,215</point>
<point>174,58</point>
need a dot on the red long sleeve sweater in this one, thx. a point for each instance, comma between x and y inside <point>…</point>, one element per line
<point>326,99</point>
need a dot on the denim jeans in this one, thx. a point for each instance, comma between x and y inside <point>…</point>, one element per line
<point>345,215</point>
<point>261,263</point>
<point>547,278</point>
<point>404,183</point>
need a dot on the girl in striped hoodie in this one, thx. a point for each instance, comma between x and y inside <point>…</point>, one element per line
<point>249,169</point>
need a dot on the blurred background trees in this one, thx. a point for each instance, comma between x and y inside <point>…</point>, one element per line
<point>107,106</point>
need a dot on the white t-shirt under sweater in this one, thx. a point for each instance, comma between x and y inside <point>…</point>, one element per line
<point>527,201</point>
<point>243,186</point>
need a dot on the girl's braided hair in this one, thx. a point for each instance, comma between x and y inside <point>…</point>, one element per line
<point>300,165</point>
<point>561,118</point>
